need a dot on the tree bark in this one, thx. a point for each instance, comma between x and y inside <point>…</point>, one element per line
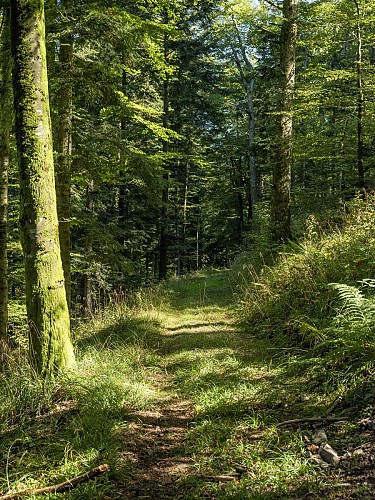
<point>360,102</point>
<point>64,144</point>
<point>5,125</point>
<point>164,218</point>
<point>48,315</point>
<point>282,165</point>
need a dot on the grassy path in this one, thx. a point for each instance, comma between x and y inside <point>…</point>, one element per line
<point>173,394</point>
<point>197,326</point>
<point>219,392</point>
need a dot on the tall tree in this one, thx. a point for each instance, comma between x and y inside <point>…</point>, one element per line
<point>282,164</point>
<point>63,143</point>
<point>5,125</point>
<point>48,316</point>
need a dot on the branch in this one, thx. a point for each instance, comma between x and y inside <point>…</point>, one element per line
<point>312,419</point>
<point>247,61</point>
<point>278,7</point>
<point>218,479</point>
<point>59,488</point>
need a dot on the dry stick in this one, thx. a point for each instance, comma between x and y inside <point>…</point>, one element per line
<point>218,479</point>
<point>59,488</point>
<point>312,419</point>
<point>334,404</point>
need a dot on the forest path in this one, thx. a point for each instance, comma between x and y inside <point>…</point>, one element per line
<point>198,321</point>
<point>217,392</point>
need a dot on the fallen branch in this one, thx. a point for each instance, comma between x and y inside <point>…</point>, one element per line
<point>59,488</point>
<point>333,407</point>
<point>218,479</point>
<point>312,419</point>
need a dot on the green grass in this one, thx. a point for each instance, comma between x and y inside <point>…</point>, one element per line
<point>180,342</point>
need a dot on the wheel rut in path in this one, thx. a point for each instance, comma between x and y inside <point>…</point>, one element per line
<point>157,452</point>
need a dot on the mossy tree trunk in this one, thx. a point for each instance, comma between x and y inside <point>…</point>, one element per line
<point>63,142</point>
<point>282,165</point>
<point>50,344</point>
<point>5,126</point>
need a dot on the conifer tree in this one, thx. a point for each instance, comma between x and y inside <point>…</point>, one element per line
<point>63,143</point>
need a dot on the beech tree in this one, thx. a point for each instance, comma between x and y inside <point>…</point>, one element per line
<point>282,165</point>
<point>48,316</point>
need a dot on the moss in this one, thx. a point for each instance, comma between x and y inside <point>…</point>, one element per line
<point>50,347</point>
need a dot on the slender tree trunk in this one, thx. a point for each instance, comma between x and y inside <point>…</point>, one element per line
<point>282,165</point>
<point>87,279</point>
<point>64,144</point>
<point>185,216</point>
<point>360,102</point>
<point>164,219</point>
<point>248,82</point>
<point>252,164</point>
<point>48,315</point>
<point>5,125</point>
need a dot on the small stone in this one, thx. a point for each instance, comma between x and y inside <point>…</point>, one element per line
<point>358,453</point>
<point>319,437</point>
<point>328,454</point>
<point>318,460</point>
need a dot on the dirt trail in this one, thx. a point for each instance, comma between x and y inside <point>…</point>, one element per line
<point>155,444</point>
<point>157,452</point>
<point>156,448</point>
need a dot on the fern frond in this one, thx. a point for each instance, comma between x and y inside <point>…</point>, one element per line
<point>354,304</point>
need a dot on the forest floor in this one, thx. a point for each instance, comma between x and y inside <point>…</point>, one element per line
<point>211,433</point>
<point>183,403</point>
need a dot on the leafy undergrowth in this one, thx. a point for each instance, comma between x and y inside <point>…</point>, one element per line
<point>318,297</point>
<point>181,349</point>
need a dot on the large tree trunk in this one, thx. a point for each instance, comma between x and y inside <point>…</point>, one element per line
<point>64,144</point>
<point>5,124</point>
<point>48,315</point>
<point>248,82</point>
<point>282,165</point>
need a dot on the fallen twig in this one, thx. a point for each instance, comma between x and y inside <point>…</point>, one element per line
<point>333,406</point>
<point>311,419</point>
<point>59,488</point>
<point>218,479</point>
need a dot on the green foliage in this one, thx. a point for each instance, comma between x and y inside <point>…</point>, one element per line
<point>54,430</point>
<point>295,287</point>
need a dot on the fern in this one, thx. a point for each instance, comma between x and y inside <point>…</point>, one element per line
<point>354,305</point>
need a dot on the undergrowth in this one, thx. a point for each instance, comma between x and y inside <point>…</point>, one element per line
<point>58,429</point>
<point>306,343</point>
<point>317,297</point>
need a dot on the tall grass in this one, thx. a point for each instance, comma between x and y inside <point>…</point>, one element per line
<point>294,300</point>
<point>295,288</point>
<point>57,429</point>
